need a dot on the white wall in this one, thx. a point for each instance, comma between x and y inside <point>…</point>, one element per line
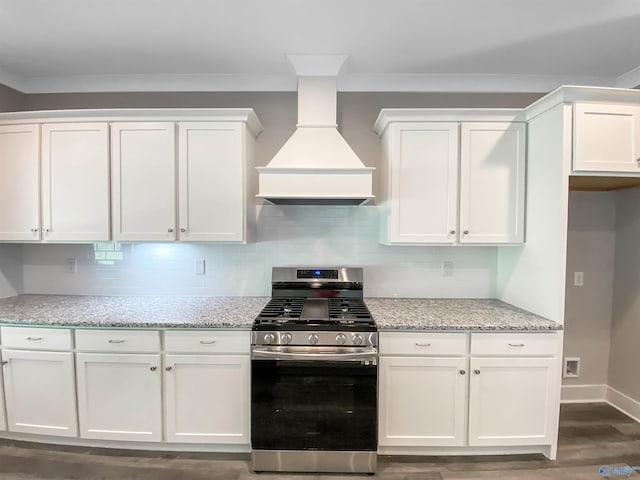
<point>624,360</point>
<point>591,246</point>
<point>10,270</point>
<point>285,236</point>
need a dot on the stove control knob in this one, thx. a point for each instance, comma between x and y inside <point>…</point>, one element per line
<point>357,339</point>
<point>313,338</point>
<point>269,338</point>
<point>286,338</point>
<point>341,338</point>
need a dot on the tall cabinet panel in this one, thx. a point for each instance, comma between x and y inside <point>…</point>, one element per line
<point>212,171</point>
<point>143,181</point>
<point>75,181</point>
<point>19,182</point>
<point>492,182</point>
<point>423,183</point>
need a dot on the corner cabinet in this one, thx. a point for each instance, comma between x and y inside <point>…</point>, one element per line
<point>458,393</point>
<point>450,182</point>
<point>606,138</point>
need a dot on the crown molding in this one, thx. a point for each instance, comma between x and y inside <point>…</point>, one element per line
<point>480,83</point>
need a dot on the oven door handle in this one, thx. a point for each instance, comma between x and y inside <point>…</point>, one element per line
<point>368,355</point>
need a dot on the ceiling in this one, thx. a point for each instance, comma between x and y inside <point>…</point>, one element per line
<point>392,45</point>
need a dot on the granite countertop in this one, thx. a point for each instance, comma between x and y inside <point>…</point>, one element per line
<point>454,314</point>
<point>131,311</point>
<point>239,313</point>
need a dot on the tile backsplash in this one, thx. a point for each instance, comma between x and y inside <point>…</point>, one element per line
<point>285,236</point>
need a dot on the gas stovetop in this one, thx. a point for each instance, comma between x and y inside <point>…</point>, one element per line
<point>309,300</point>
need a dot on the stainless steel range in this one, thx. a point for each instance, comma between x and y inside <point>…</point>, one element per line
<point>314,374</point>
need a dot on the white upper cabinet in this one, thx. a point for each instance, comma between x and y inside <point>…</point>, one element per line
<point>492,182</point>
<point>143,180</point>
<point>446,182</point>
<point>19,182</point>
<point>212,189</point>
<point>606,138</point>
<point>422,176</point>
<point>75,182</point>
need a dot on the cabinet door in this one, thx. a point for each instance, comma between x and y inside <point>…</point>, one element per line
<point>492,182</point>
<point>211,172</point>
<point>512,400</point>
<point>422,401</point>
<point>40,392</point>
<point>207,398</point>
<point>19,182</point>
<point>3,419</point>
<point>606,138</point>
<point>75,181</point>
<point>119,396</point>
<point>143,193</point>
<point>424,179</point>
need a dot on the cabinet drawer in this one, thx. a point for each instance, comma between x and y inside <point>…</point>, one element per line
<point>36,338</point>
<point>207,341</point>
<point>117,340</point>
<point>401,343</point>
<point>514,344</point>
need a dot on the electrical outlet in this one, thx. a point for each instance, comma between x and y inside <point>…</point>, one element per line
<point>578,279</point>
<point>571,367</point>
<point>447,268</point>
<point>201,267</point>
<point>72,266</point>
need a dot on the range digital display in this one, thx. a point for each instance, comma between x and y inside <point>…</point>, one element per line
<point>319,274</point>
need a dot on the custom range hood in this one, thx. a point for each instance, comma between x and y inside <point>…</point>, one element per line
<point>316,166</point>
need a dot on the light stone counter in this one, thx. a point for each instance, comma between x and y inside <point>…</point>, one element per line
<point>131,311</point>
<point>454,314</point>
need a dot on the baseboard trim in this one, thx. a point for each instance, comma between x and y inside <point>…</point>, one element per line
<point>583,393</point>
<point>624,403</point>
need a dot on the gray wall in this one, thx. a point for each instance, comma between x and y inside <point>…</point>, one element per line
<point>624,359</point>
<point>11,100</point>
<point>591,243</point>
<point>11,270</point>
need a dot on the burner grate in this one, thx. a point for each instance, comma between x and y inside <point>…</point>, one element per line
<point>283,308</point>
<point>348,309</point>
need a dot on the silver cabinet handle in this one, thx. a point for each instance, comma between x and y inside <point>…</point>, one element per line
<point>638,161</point>
<point>466,232</point>
<point>516,345</point>
<point>168,369</point>
<point>170,230</point>
<point>452,232</point>
<point>462,372</point>
<point>183,230</point>
<point>153,369</point>
<point>47,230</point>
<point>426,345</point>
<point>34,230</point>
<point>4,362</point>
<point>476,372</point>
<point>34,339</point>
<point>116,341</point>
<point>207,342</point>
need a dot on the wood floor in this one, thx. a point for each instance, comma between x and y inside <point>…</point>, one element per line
<point>591,436</point>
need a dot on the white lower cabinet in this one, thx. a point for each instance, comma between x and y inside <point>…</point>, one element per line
<point>3,419</point>
<point>507,382</point>
<point>40,392</point>
<point>207,398</point>
<point>422,401</point>
<point>119,396</point>
<point>510,401</point>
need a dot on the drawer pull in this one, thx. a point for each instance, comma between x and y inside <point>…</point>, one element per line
<point>34,339</point>
<point>423,345</point>
<point>462,372</point>
<point>476,372</point>
<point>207,342</point>
<point>168,369</point>
<point>153,369</point>
<point>116,341</point>
<point>516,345</point>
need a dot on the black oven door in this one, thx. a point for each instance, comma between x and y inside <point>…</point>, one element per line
<point>317,404</point>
